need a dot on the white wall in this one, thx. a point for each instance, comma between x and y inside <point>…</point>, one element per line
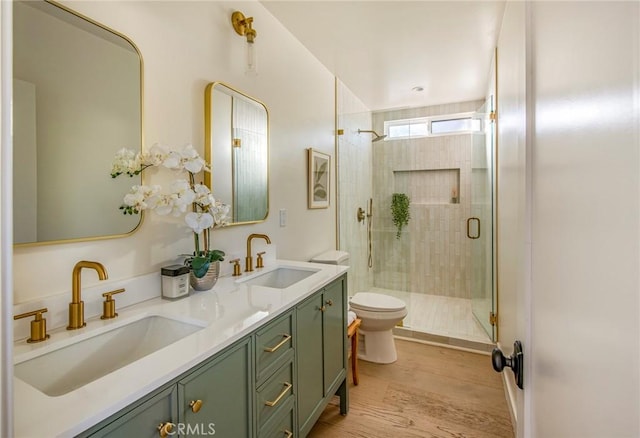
<point>186,45</point>
<point>585,298</point>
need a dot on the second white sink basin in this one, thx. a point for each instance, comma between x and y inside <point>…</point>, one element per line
<point>71,367</point>
<point>281,278</point>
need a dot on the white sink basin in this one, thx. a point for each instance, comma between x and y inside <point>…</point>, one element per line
<point>63,370</point>
<point>281,278</point>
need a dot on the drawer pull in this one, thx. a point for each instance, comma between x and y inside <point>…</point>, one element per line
<point>330,302</point>
<point>287,387</point>
<point>165,429</point>
<point>285,339</point>
<point>288,433</point>
<point>195,405</point>
<point>322,309</point>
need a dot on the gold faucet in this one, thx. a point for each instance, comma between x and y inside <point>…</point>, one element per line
<point>76,306</point>
<point>249,258</point>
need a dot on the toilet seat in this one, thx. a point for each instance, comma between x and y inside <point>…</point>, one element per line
<point>373,302</point>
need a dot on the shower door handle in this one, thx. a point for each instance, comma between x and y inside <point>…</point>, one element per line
<point>469,228</point>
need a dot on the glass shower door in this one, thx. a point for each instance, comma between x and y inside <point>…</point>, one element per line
<point>480,223</point>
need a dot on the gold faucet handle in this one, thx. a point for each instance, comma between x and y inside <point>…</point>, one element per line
<point>260,261</point>
<point>38,325</point>
<point>109,305</point>
<point>236,267</point>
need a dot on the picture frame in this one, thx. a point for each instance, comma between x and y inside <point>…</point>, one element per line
<point>319,177</point>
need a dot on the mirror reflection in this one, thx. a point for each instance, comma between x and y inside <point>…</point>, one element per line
<point>237,146</point>
<point>77,100</point>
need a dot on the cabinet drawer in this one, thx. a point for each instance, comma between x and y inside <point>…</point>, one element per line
<point>274,346</point>
<point>281,425</point>
<point>275,393</point>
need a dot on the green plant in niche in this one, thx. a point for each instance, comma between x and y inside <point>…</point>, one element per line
<point>400,211</point>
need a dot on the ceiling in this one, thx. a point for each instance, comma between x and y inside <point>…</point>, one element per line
<point>381,50</point>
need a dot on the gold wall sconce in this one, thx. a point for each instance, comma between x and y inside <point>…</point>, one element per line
<point>244,27</point>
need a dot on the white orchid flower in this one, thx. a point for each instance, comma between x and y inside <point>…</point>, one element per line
<point>126,161</point>
<point>156,155</point>
<point>173,160</point>
<point>203,195</point>
<point>198,222</point>
<point>191,160</point>
<point>139,196</point>
<point>164,206</point>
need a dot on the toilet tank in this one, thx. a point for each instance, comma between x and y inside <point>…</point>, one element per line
<point>332,258</point>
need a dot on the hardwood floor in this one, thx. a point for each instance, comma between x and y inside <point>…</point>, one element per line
<point>429,392</point>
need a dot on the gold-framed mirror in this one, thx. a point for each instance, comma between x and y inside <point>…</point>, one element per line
<point>77,101</point>
<point>237,147</point>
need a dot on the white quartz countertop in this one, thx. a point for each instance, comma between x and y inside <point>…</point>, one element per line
<point>230,311</point>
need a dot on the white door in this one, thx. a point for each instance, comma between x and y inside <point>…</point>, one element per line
<point>585,167</point>
<point>569,214</point>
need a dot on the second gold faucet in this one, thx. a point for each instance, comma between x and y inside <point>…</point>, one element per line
<point>249,259</point>
<point>76,306</point>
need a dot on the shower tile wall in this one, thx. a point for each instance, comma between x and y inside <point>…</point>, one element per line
<point>355,184</point>
<point>433,253</point>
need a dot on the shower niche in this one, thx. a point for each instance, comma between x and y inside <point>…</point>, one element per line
<point>429,186</point>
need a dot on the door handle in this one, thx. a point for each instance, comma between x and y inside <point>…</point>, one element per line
<point>515,362</point>
<point>469,227</point>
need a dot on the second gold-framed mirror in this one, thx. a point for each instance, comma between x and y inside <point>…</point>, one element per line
<point>237,147</point>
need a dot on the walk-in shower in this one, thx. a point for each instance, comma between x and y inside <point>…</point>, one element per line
<point>441,268</point>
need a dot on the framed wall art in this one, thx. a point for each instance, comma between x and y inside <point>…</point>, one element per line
<point>319,170</point>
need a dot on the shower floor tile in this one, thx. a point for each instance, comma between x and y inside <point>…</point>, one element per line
<point>438,315</point>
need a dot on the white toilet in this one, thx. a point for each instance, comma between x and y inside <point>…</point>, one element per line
<point>379,314</point>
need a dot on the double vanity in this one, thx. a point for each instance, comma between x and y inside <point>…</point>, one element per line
<point>259,355</point>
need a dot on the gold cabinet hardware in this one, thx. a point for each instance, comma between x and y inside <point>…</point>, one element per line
<point>287,387</point>
<point>493,318</point>
<point>38,325</point>
<point>340,132</point>
<point>165,429</point>
<point>195,405</point>
<point>236,267</point>
<point>109,305</point>
<point>322,308</point>
<point>288,433</point>
<point>329,302</point>
<point>285,339</point>
<point>360,214</point>
<point>237,142</point>
<point>260,262</point>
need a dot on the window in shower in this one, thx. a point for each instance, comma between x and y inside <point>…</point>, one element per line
<point>464,123</point>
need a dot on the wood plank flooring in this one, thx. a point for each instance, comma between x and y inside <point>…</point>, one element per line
<point>429,392</point>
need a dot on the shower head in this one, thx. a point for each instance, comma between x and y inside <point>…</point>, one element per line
<point>376,136</point>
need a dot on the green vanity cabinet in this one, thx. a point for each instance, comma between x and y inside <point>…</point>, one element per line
<point>321,352</point>
<point>274,382</point>
<point>217,397</point>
